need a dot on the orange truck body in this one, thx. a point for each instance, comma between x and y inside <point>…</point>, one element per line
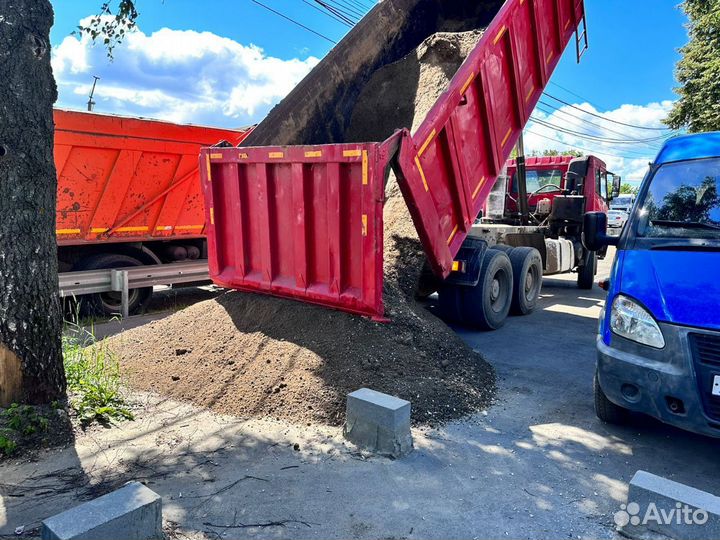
<point>132,180</point>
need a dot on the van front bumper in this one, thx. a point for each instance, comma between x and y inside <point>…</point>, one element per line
<point>673,384</point>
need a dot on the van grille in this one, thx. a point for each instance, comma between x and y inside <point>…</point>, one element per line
<point>706,353</point>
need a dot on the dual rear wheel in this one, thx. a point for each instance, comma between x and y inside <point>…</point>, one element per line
<point>510,282</point>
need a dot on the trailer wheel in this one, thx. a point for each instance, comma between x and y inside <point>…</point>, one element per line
<point>605,409</point>
<point>527,279</point>
<point>486,305</point>
<point>109,304</point>
<point>586,272</point>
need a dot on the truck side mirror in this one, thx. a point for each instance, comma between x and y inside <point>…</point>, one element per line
<point>616,186</point>
<point>595,235</point>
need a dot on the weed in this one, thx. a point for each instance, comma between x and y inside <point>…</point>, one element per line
<point>7,444</point>
<point>93,378</point>
<point>25,419</point>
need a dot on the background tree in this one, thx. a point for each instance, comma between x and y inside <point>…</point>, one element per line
<point>627,189</point>
<point>31,366</point>
<point>30,316</point>
<point>698,107</point>
<point>552,152</point>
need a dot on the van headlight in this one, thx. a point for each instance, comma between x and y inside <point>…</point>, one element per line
<point>630,320</point>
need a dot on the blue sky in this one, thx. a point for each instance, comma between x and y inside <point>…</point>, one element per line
<point>227,63</point>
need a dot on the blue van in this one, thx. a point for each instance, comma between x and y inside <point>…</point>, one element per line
<point>658,348</point>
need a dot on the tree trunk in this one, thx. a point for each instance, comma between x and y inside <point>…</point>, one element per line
<point>31,367</point>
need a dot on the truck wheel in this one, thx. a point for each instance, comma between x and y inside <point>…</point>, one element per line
<point>586,272</point>
<point>110,303</point>
<point>527,279</point>
<point>605,409</point>
<point>486,305</point>
<point>503,247</point>
<point>449,303</point>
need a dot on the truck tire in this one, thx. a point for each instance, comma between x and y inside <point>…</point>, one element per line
<point>109,304</point>
<point>527,270</point>
<point>503,247</point>
<point>586,272</point>
<point>605,409</point>
<point>486,306</point>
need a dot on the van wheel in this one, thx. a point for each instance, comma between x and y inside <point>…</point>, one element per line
<point>486,306</point>
<point>586,272</point>
<point>527,279</point>
<point>605,409</point>
<point>110,303</point>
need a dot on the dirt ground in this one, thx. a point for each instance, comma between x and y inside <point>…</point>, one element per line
<point>256,356</point>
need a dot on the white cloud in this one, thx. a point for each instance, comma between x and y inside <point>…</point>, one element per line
<point>628,159</point>
<point>177,75</point>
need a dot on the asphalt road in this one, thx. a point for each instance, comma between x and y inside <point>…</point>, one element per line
<point>536,464</point>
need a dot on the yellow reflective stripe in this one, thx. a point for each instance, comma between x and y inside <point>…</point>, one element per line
<point>422,173</point>
<point>132,229</point>
<point>188,227</point>
<point>67,231</point>
<point>506,137</point>
<point>313,153</point>
<point>216,156</point>
<point>426,143</point>
<point>207,165</point>
<point>212,216</point>
<point>352,153</point>
<point>276,155</point>
<point>480,183</point>
<point>499,34</point>
<point>99,230</point>
<point>364,224</point>
<point>364,167</point>
<point>468,82</point>
<point>452,234</point>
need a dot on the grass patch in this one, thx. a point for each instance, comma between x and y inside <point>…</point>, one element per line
<point>93,378</point>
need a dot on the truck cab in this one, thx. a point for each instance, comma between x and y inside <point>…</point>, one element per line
<point>658,346</point>
<point>550,176</point>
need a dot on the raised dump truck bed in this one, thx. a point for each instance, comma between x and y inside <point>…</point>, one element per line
<point>305,221</point>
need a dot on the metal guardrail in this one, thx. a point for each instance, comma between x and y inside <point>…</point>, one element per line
<point>123,279</point>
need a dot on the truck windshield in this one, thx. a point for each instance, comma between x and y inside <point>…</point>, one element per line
<point>682,201</point>
<point>538,179</point>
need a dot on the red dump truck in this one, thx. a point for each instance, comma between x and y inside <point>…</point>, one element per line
<point>539,223</point>
<point>129,196</point>
<point>299,218</point>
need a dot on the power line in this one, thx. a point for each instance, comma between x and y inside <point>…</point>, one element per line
<point>580,119</point>
<point>301,25</point>
<point>590,150</point>
<point>594,138</point>
<point>328,13</point>
<point>604,117</point>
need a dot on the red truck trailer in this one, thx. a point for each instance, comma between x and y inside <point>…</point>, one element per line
<point>128,196</point>
<point>305,221</point>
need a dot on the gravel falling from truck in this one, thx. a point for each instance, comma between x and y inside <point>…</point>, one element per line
<point>257,356</point>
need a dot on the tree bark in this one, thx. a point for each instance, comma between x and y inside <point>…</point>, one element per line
<point>31,368</point>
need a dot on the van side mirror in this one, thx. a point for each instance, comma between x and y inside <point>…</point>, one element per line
<point>595,235</point>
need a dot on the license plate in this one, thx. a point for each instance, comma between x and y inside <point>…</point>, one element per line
<point>716,386</point>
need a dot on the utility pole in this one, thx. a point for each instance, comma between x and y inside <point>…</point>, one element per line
<point>91,103</point>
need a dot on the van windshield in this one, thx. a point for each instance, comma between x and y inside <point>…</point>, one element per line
<point>682,201</point>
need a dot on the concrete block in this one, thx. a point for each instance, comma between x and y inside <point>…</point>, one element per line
<point>658,507</point>
<point>378,422</point>
<point>132,512</point>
